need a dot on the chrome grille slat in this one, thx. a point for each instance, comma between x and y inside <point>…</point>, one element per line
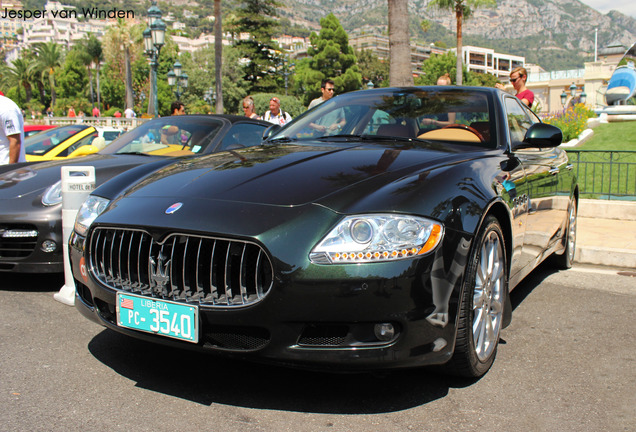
<point>214,292</point>
<point>242,269</point>
<point>210,271</point>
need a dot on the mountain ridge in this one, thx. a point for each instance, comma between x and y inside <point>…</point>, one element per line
<point>566,27</point>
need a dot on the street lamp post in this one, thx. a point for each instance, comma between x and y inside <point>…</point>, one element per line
<point>582,97</point>
<point>209,96</point>
<point>154,39</point>
<point>175,77</point>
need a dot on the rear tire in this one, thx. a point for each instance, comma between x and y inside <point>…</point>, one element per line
<point>482,304</point>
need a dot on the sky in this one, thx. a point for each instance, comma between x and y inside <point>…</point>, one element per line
<point>626,7</point>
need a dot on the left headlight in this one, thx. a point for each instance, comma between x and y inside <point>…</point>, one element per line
<point>377,238</point>
<point>88,212</point>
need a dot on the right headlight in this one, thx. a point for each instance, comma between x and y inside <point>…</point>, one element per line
<point>377,238</point>
<point>53,195</point>
<point>88,212</point>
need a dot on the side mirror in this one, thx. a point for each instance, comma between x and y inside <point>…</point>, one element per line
<point>84,151</point>
<point>541,135</point>
<point>271,131</point>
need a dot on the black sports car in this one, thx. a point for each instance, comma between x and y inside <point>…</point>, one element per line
<point>30,194</point>
<point>382,229</point>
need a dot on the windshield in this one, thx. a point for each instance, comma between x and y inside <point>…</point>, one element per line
<point>436,113</point>
<point>47,140</point>
<point>168,136</point>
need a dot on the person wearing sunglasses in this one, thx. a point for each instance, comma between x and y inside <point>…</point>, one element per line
<point>248,108</point>
<point>327,89</point>
<point>518,78</point>
<point>276,115</point>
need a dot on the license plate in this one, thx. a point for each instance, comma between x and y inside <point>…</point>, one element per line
<point>161,317</point>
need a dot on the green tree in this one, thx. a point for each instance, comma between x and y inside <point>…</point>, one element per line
<point>440,64</point>
<point>48,59</point>
<point>72,80</point>
<point>331,56</point>
<point>436,66</point>
<point>123,45</point>
<point>19,74</point>
<point>94,53</point>
<point>257,17</point>
<point>372,68</point>
<point>463,9</point>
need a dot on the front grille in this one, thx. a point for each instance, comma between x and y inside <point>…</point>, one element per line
<point>205,270</point>
<point>324,335</point>
<point>236,338</point>
<point>16,245</point>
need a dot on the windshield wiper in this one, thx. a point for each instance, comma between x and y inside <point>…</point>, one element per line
<point>133,153</point>
<point>279,140</point>
<point>347,137</point>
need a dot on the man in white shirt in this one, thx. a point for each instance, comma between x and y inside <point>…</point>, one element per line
<point>11,132</point>
<point>129,113</point>
<point>275,114</point>
<point>327,89</point>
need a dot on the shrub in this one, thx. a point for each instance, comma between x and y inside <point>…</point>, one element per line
<point>572,121</point>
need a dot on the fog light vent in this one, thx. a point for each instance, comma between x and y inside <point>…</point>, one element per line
<point>48,246</point>
<point>384,331</point>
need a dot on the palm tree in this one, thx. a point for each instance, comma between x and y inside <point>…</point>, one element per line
<point>121,38</point>
<point>218,56</point>
<point>400,73</point>
<point>18,74</point>
<point>49,57</point>
<point>463,9</point>
<point>92,48</point>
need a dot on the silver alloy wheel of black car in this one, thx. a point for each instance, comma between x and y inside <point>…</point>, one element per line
<point>482,304</point>
<point>488,296</point>
<point>566,259</point>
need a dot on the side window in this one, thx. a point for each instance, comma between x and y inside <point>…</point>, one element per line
<point>242,135</point>
<point>518,120</point>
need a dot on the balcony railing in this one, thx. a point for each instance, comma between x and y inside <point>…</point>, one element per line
<point>605,174</point>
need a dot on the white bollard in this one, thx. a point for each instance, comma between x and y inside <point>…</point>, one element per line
<point>77,183</point>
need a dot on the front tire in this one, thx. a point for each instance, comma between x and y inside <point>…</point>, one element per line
<point>482,304</point>
<point>565,260</point>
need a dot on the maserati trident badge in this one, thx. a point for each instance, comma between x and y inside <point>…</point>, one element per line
<point>173,208</point>
<point>160,271</point>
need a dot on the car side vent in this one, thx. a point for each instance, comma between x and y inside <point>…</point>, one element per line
<point>205,270</point>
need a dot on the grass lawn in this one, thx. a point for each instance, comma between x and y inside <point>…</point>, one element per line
<point>612,136</point>
<point>601,172</point>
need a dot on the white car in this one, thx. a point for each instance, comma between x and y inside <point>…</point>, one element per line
<point>108,133</point>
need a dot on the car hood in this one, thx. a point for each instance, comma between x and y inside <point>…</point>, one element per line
<point>293,175</point>
<point>32,179</point>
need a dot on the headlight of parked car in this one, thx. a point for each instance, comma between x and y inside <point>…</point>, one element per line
<point>377,238</point>
<point>53,195</point>
<point>88,212</point>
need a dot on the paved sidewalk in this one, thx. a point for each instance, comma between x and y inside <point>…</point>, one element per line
<point>606,234</point>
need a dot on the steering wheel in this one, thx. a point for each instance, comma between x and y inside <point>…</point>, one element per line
<point>468,128</point>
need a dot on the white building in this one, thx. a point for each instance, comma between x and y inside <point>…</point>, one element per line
<point>486,60</point>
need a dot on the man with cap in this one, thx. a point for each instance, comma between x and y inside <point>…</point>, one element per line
<point>275,114</point>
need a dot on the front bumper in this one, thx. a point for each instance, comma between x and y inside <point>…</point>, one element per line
<point>24,254</point>
<point>323,316</point>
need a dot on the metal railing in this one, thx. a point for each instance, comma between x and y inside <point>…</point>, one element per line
<point>121,122</point>
<point>605,174</point>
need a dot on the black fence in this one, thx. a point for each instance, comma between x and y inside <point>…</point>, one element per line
<point>605,174</point>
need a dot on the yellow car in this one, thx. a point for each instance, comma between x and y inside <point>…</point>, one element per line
<point>63,142</point>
